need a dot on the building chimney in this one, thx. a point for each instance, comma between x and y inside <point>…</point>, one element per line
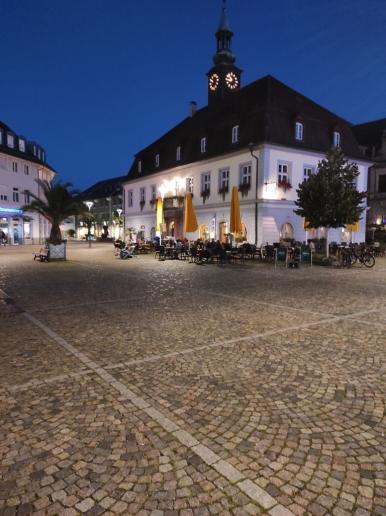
<point>193,107</point>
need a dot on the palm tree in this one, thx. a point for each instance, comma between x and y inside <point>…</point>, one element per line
<point>58,203</point>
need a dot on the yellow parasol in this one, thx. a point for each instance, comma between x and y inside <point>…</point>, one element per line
<point>353,227</point>
<point>236,227</point>
<point>159,216</point>
<point>190,215</point>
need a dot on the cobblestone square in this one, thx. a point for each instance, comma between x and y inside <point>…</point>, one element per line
<point>165,388</point>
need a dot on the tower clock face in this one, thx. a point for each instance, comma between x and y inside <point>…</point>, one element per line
<point>214,80</point>
<point>231,80</point>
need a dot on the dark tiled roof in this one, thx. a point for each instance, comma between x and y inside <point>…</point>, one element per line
<point>265,111</point>
<point>102,189</point>
<point>369,134</point>
<point>27,155</point>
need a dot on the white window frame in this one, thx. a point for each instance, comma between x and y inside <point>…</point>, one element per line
<point>26,170</point>
<point>336,139</point>
<point>203,145</point>
<point>130,198</point>
<point>245,173</point>
<point>3,197</point>
<point>15,195</point>
<point>283,171</point>
<point>308,171</point>
<point>178,153</point>
<point>27,197</point>
<point>153,192</point>
<point>223,178</point>
<point>142,194</point>
<point>235,134</point>
<point>1,137</point>
<point>299,131</point>
<point>189,185</point>
<point>205,181</point>
<point>139,167</point>
<point>21,145</point>
<point>157,160</point>
<point>10,141</point>
<point>14,166</point>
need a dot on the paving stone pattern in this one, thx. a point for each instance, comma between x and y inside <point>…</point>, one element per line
<point>163,388</point>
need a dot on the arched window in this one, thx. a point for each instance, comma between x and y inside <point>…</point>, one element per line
<point>287,231</point>
<point>203,232</point>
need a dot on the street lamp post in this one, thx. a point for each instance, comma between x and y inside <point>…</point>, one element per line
<point>89,205</point>
<point>119,211</point>
<point>252,147</point>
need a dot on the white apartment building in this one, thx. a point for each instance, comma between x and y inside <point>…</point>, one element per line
<point>264,138</point>
<point>21,163</point>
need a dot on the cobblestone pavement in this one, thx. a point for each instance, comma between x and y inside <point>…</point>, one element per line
<point>165,388</point>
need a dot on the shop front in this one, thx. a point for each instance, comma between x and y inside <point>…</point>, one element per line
<point>12,225</point>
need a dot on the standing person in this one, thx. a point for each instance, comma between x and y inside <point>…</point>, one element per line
<point>3,238</point>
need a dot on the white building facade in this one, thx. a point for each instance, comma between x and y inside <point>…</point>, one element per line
<point>211,151</point>
<point>21,163</point>
<point>267,209</point>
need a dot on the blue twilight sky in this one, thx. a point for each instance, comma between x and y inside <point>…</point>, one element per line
<point>94,81</point>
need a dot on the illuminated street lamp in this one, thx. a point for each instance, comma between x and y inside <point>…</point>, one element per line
<point>89,205</point>
<point>119,211</point>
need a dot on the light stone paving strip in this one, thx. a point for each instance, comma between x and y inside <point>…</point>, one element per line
<point>229,472</point>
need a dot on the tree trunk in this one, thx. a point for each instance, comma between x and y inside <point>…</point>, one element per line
<point>327,244</point>
<point>55,234</point>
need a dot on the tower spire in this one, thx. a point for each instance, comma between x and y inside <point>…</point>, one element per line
<point>224,36</point>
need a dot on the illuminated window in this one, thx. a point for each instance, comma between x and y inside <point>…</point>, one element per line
<point>336,139</point>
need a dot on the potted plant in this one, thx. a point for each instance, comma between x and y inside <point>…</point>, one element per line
<point>244,188</point>
<point>205,194</point>
<point>284,184</point>
<point>57,204</point>
<point>223,191</point>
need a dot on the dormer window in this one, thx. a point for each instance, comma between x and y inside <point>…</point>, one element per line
<point>336,139</point>
<point>203,145</point>
<point>1,137</point>
<point>157,160</point>
<point>43,156</point>
<point>178,153</point>
<point>10,141</point>
<point>235,134</point>
<point>139,166</point>
<point>298,131</point>
<point>21,145</point>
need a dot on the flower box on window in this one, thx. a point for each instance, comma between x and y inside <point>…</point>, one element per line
<point>223,191</point>
<point>284,184</point>
<point>205,194</point>
<point>244,188</point>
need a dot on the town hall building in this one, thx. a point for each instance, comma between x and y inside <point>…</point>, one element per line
<point>265,138</point>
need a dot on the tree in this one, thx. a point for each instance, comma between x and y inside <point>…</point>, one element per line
<point>57,204</point>
<point>330,198</point>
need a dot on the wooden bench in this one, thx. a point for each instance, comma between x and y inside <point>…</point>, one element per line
<point>43,255</point>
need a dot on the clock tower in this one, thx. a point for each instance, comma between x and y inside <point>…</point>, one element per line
<point>224,76</point>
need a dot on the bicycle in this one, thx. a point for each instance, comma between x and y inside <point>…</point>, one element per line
<point>351,255</point>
